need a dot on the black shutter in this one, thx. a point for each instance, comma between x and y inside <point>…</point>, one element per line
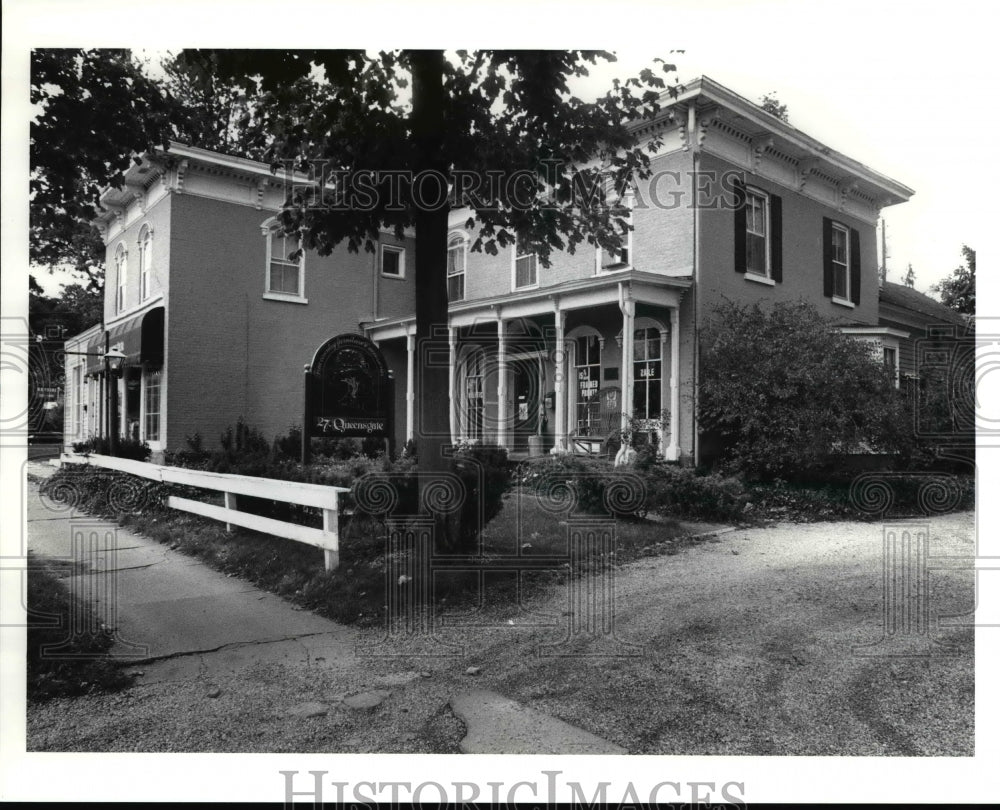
<point>776,237</point>
<point>740,227</point>
<point>855,267</point>
<point>827,257</point>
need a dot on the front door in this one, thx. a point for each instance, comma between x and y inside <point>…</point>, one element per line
<point>526,398</point>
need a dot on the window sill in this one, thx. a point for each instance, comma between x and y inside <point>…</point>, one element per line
<point>288,299</point>
<point>393,276</point>
<point>843,302</point>
<point>525,288</point>
<point>608,269</point>
<point>769,282</point>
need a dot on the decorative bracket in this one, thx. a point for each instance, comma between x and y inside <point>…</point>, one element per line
<point>261,186</point>
<point>805,169</point>
<point>845,187</point>
<point>758,146</point>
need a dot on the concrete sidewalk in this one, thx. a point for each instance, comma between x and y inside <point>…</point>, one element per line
<point>173,614</point>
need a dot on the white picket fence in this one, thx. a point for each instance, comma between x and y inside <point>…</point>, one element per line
<point>315,495</point>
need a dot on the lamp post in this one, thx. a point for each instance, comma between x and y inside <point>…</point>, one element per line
<point>113,361</point>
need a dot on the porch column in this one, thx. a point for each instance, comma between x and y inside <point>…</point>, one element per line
<point>501,383</point>
<point>560,381</point>
<point>627,306</point>
<point>411,340</point>
<point>661,449</point>
<point>673,449</point>
<point>452,404</point>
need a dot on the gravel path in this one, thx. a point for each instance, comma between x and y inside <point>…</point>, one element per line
<point>747,647</point>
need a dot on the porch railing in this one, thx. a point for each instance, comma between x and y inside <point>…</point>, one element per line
<point>319,496</point>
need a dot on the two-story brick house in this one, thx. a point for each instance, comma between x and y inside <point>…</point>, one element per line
<point>216,322</point>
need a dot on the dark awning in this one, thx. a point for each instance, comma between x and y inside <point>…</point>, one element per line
<point>95,353</point>
<point>140,338</point>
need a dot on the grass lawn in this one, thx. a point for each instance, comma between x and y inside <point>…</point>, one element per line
<point>64,659</point>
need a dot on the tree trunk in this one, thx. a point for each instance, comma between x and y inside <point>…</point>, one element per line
<point>431,422</point>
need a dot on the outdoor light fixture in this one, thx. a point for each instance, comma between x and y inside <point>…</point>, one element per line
<point>114,358</point>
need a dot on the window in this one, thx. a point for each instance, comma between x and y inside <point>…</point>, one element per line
<point>121,270</point>
<point>145,262</point>
<point>756,212</point>
<point>623,256</point>
<point>151,398</point>
<point>841,263</point>
<point>647,370</point>
<point>284,275</point>
<point>456,267</point>
<point>588,385</point>
<point>525,266</point>
<point>891,359</point>
<point>474,403</point>
<point>758,235</point>
<point>393,264</point>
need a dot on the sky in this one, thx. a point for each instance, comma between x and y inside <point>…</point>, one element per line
<point>905,88</point>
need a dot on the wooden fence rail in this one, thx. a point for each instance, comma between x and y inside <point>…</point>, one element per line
<point>315,495</point>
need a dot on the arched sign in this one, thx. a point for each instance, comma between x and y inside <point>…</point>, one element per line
<point>349,390</point>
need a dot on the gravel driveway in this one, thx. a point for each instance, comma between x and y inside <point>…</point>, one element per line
<point>747,645</point>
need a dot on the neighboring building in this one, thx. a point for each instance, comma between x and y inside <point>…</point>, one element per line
<point>217,323</point>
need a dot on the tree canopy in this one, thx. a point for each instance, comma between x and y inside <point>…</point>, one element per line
<point>958,291</point>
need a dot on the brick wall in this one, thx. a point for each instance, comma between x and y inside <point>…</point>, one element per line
<point>230,351</point>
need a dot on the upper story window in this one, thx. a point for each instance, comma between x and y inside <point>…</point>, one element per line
<point>841,263</point>
<point>525,266</point>
<point>145,262</point>
<point>756,213</point>
<point>621,258</point>
<point>393,261</point>
<point>285,276</point>
<point>758,235</point>
<point>121,273</point>
<point>456,267</point>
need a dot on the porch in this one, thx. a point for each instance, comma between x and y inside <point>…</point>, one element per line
<point>552,371</point>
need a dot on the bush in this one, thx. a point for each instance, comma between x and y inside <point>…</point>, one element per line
<point>597,486</point>
<point>783,390</point>
<point>682,492</point>
<point>101,445</point>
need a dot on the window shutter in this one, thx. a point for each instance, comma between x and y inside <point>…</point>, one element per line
<point>855,267</point>
<point>740,227</point>
<point>827,257</point>
<point>776,237</point>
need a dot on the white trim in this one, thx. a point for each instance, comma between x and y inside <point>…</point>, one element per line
<point>770,282</point>
<point>843,302</point>
<point>401,251</point>
<point>288,298</point>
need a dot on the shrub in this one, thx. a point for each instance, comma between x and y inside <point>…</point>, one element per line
<point>597,486</point>
<point>784,390</point>
<point>101,445</point>
<point>682,492</point>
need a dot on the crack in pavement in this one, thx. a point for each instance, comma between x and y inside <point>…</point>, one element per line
<point>188,653</point>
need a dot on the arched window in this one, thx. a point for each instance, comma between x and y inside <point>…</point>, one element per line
<point>121,271</point>
<point>456,267</point>
<point>145,262</point>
